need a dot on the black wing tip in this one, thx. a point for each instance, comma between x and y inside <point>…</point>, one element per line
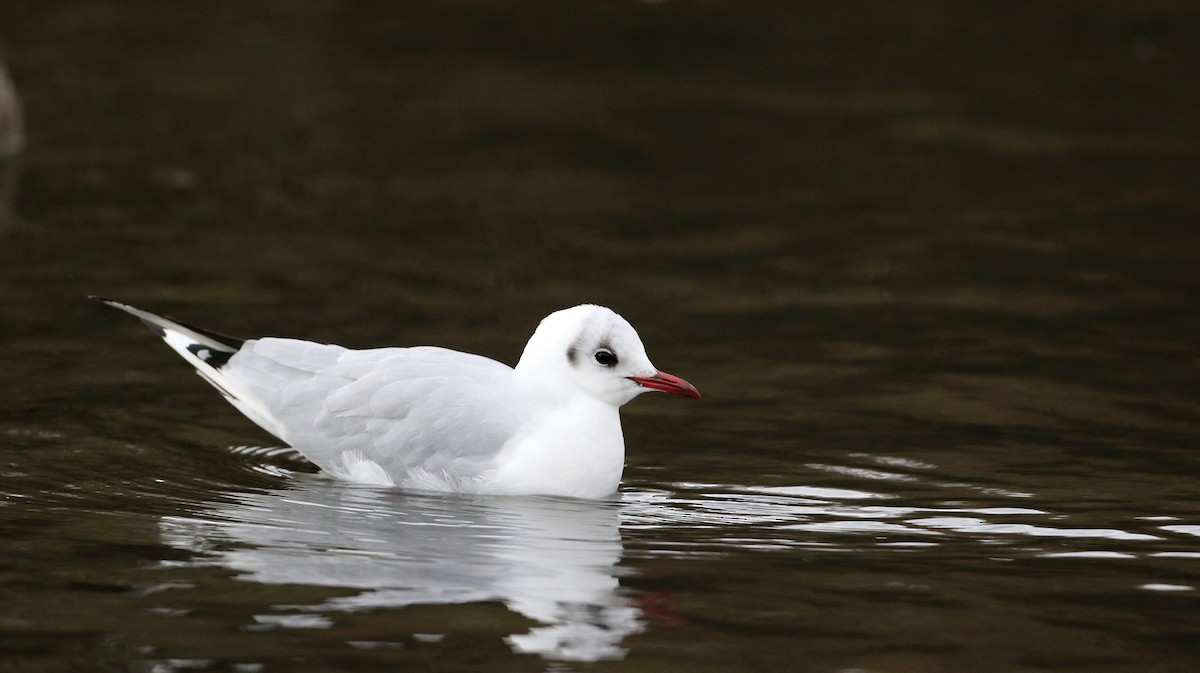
<point>108,301</point>
<point>210,356</point>
<point>154,327</point>
<point>229,341</point>
<point>105,300</point>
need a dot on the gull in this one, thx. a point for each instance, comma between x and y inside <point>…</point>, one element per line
<point>433,419</point>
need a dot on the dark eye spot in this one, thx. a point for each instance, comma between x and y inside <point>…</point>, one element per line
<point>606,357</point>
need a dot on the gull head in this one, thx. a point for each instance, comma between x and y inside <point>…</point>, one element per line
<point>591,349</point>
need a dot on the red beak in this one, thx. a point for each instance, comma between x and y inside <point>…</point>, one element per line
<point>668,384</point>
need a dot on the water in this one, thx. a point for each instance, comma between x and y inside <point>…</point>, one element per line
<point>932,266</point>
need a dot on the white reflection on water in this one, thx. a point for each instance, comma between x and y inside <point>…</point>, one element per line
<point>842,520</point>
<point>975,525</point>
<point>1185,529</point>
<point>551,560</point>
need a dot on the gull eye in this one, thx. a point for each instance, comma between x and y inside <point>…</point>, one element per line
<point>606,357</point>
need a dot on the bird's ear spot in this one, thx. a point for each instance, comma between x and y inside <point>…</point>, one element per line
<point>572,355</point>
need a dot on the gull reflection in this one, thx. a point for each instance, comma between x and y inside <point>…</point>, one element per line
<point>551,560</point>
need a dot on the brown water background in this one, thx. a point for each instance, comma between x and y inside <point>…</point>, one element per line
<point>933,264</point>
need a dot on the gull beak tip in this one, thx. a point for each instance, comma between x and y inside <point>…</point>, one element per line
<point>667,383</point>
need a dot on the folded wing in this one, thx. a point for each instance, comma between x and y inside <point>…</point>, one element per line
<point>419,417</point>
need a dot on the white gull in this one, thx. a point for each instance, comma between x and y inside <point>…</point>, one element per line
<point>434,419</point>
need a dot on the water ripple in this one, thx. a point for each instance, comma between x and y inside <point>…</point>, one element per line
<point>716,517</point>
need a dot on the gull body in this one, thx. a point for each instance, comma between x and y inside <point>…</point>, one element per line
<point>435,419</point>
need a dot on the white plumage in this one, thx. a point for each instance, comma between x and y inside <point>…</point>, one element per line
<point>429,418</point>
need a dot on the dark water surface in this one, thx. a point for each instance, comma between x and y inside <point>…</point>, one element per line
<point>933,264</point>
